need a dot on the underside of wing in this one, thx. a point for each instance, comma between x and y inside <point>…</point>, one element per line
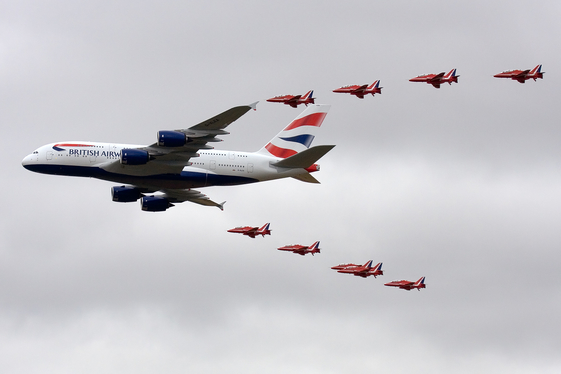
<point>179,196</point>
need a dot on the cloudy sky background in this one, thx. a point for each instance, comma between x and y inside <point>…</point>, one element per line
<point>461,185</point>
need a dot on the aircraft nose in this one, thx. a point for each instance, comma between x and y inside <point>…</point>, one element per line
<point>27,161</point>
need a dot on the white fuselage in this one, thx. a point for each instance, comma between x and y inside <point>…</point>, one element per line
<point>102,161</point>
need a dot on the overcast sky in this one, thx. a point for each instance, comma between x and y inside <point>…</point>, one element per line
<point>460,184</point>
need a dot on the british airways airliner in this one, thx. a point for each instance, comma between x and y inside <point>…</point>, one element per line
<point>182,159</point>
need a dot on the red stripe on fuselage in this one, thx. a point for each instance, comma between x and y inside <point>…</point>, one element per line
<point>72,145</point>
<point>314,119</point>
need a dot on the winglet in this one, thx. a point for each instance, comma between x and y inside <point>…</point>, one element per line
<point>221,205</point>
<point>253,105</point>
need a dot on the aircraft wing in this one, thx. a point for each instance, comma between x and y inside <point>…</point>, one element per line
<point>361,88</point>
<point>179,196</point>
<point>174,159</point>
<point>202,133</point>
<point>294,99</point>
<point>522,74</point>
<point>437,77</point>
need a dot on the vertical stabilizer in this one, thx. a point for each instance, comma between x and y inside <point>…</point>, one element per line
<point>298,135</point>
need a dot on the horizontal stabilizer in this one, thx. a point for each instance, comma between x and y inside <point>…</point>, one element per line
<point>304,159</point>
<point>308,178</point>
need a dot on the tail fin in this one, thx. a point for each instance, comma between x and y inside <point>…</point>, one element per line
<point>420,283</point>
<point>298,135</point>
<point>368,265</point>
<point>314,248</point>
<point>264,230</point>
<point>451,76</point>
<point>376,84</point>
<point>378,267</point>
<point>537,72</point>
<point>308,95</point>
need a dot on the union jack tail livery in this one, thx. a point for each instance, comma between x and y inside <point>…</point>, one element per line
<point>298,135</point>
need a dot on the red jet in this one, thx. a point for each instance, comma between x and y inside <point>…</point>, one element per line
<point>301,249</point>
<point>360,91</point>
<point>522,75</point>
<point>252,232</point>
<point>408,285</point>
<point>437,79</point>
<point>294,101</point>
<point>364,271</point>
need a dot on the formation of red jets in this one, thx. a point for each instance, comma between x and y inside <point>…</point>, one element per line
<point>434,79</point>
<point>360,91</point>
<point>363,271</point>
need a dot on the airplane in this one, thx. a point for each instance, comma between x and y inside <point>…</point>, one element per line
<point>363,271</point>
<point>408,285</point>
<point>360,91</point>
<point>182,159</point>
<point>522,75</point>
<point>437,79</point>
<point>294,100</point>
<point>252,232</point>
<point>301,249</point>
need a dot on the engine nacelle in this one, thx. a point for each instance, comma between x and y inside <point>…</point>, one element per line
<point>155,203</point>
<point>124,194</point>
<point>134,157</point>
<point>172,139</point>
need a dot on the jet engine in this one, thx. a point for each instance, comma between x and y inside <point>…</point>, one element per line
<point>172,139</point>
<point>124,194</point>
<point>134,157</point>
<point>155,203</point>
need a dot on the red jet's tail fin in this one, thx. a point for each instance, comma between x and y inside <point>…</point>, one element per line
<point>537,72</point>
<point>420,283</point>
<point>314,248</point>
<point>451,76</point>
<point>307,98</point>
<point>264,230</point>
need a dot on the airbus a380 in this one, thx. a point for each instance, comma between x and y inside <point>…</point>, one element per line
<point>182,159</point>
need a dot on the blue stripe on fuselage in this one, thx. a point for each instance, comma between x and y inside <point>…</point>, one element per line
<point>186,179</point>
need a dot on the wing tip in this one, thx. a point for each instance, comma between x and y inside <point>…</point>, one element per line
<point>253,105</point>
